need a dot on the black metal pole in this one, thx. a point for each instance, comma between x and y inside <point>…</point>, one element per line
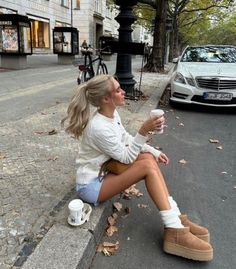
<point>123,64</point>
<point>71,10</point>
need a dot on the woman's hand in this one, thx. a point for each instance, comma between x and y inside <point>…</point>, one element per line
<point>151,124</point>
<point>163,159</point>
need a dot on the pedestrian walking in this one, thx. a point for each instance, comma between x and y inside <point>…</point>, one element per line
<point>110,160</point>
<point>146,52</point>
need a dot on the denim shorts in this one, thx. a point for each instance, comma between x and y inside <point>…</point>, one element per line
<point>89,192</point>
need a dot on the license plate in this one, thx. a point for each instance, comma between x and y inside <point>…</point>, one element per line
<point>217,96</point>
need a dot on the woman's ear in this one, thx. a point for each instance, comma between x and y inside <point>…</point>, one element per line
<point>106,99</point>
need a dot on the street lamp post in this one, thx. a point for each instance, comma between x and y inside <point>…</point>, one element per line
<point>123,64</point>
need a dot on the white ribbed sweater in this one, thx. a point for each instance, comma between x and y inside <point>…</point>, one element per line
<point>105,138</point>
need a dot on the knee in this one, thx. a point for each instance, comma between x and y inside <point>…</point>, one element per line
<point>149,158</point>
<point>147,164</point>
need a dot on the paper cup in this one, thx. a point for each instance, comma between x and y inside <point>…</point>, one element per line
<point>76,211</point>
<point>157,112</point>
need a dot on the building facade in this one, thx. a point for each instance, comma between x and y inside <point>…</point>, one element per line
<point>92,18</point>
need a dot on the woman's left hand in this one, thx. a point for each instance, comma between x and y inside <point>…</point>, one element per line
<point>163,159</point>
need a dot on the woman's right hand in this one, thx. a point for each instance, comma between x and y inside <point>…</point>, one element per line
<point>151,124</point>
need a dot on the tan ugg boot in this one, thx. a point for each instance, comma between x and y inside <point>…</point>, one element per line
<point>197,230</point>
<point>180,242</point>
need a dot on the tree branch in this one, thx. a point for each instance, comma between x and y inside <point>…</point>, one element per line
<point>151,3</point>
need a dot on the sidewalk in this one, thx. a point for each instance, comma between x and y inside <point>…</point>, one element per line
<point>37,184</point>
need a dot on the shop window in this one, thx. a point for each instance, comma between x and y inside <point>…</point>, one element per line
<point>77,4</point>
<point>40,34</point>
<point>25,38</point>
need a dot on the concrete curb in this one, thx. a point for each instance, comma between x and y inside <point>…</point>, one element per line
<point>74,247</point>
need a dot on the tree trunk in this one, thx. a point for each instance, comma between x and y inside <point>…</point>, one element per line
<point>156,60</point>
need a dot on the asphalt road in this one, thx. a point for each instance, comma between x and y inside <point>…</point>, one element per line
<point>204,187</point>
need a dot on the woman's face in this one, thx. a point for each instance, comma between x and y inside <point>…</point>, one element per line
<point>117,94</point>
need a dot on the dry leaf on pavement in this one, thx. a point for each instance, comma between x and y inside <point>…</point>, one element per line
<point>2,157</point>
<point>39,132</point>
<point>111,220</point>
<point>108,248</point>
<point>142,206</point>
<point>213,140</point>
<point>127,212</point>
<point>52,132</point>
<point>111,229</point>
<point>52,158</point>
<point>182,161</point>
<point>134,191</point>
<point>117,206</point>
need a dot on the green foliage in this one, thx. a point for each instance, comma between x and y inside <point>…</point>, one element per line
<point>204,22</point>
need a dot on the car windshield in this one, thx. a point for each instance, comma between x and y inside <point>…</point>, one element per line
<point>211,54</point>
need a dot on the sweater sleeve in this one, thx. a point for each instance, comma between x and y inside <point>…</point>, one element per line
<point>128,138</point>
<point>108,142</point>
<point>146,148</point>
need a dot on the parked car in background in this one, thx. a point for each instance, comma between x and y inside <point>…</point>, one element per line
<point>205,75</point>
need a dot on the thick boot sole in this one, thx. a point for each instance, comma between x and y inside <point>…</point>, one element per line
<point>188,253</point>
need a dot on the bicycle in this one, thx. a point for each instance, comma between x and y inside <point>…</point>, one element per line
<point>86,70</point>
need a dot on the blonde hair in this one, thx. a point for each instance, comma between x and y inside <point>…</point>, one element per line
<point>89,93</point>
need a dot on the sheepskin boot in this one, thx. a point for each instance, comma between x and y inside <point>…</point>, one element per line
<point>197,230</point>
<point>181,242</point>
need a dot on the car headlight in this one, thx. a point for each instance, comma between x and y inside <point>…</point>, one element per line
<point>179,78</point>
<point>190,81</point>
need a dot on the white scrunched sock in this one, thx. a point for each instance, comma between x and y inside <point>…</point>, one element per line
<point>170,219</point>
<point>174,205</point>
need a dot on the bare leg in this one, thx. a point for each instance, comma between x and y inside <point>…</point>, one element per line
<point>144,168</point>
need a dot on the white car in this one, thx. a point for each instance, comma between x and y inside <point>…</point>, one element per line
<point>205,75</point>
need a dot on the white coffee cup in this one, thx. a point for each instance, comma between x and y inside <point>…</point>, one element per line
<point>76,211</point>
<point>157,112</point>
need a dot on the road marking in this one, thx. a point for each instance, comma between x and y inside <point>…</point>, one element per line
<point>35,89</point>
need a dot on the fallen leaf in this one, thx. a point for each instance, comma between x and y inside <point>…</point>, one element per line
<point>134,191</point>
<point>39,132</point>
<point>126,196</point>
<point>220,147</point>
<point>115,215</point>
<point>214,140</point>
<point>111,230</point>
<point>108,248</point>
<point>182,161</point>
<point>111,221</point>
<point>127,212</point>
<point>117,206</point>
<point>52,132</point>
<point>142,206</point>
<point>2,157</point>
<point>52,158</point>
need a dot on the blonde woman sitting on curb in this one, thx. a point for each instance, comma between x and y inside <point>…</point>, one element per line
<point>102,138</point>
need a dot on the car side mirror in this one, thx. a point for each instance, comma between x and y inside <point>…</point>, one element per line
<point>175,60</point>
